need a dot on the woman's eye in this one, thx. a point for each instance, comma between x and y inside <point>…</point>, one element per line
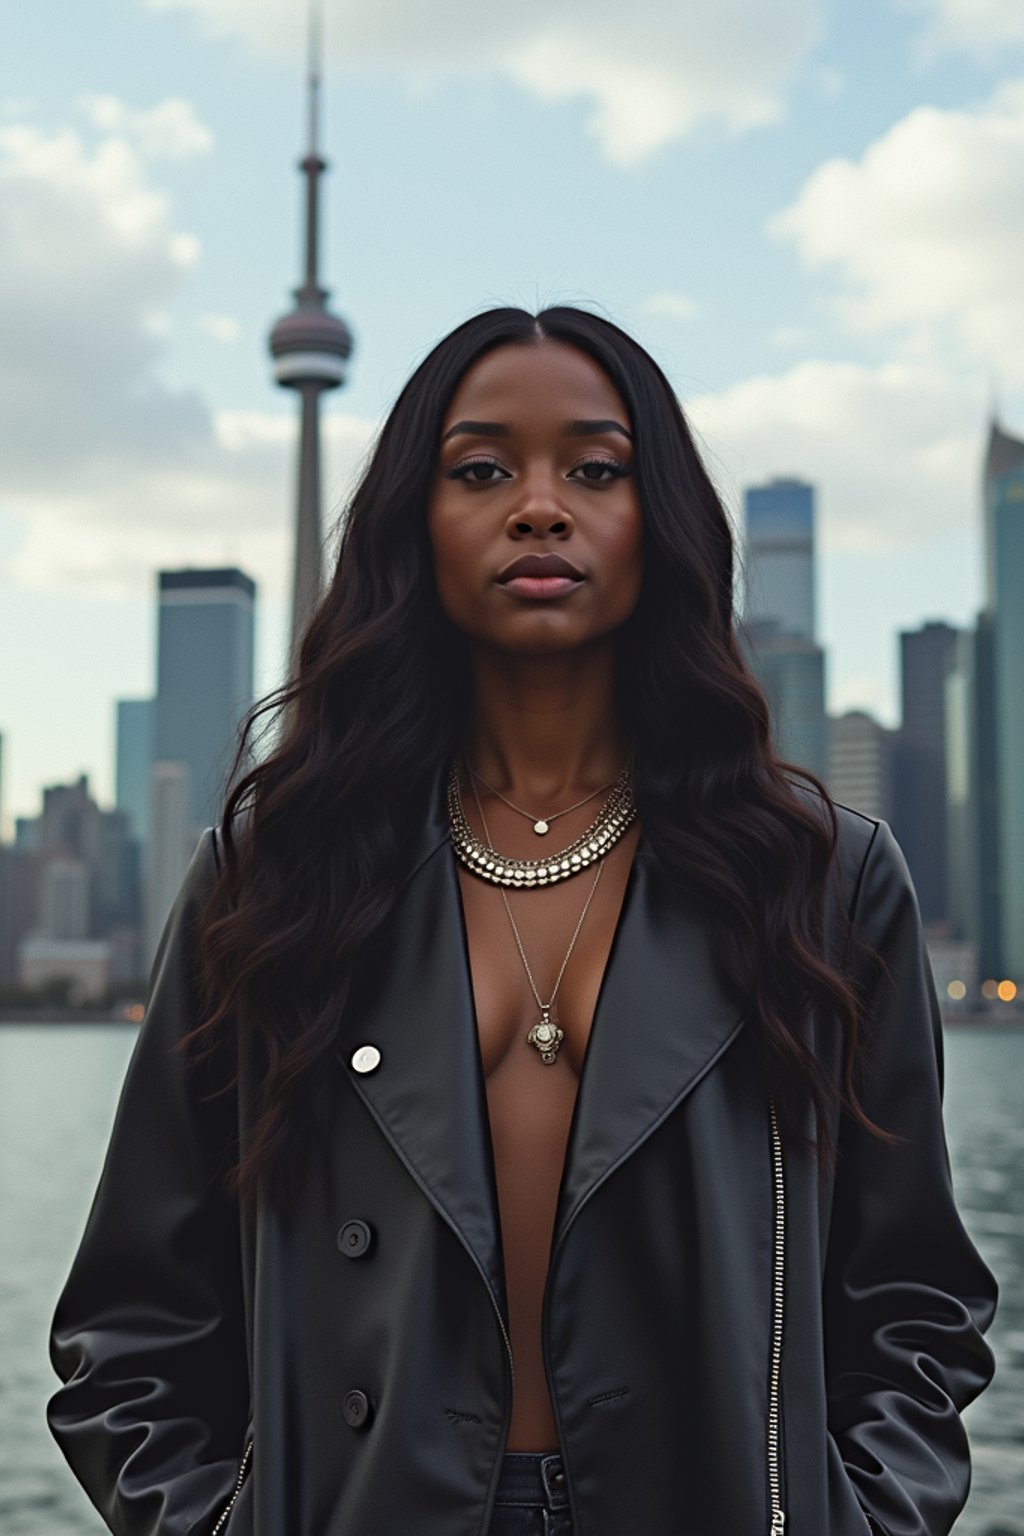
<point>465,471</point>
<point>605,470</point>
<point>613,466</point>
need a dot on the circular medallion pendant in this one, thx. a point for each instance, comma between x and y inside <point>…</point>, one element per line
<point>540,826</point>
<point>547,1037</point>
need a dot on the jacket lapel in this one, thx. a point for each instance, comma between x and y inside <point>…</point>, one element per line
<point>661,1021</point>
<point>412,997</point>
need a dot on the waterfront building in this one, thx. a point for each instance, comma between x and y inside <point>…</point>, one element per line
<point>920,807</point>
<point>133,756</point>
<point>779,577</point>
<point>205,674</point>
<point>860,751</point>
<point>172,839</point>
<point>791,670</point>
<point>1005,506</point>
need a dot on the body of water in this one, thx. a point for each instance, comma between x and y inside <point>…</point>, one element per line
<point>58,1090</point>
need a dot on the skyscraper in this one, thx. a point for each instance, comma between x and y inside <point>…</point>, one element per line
<point>310,347</point>
<point>778,626</point>
<point>134,753</point>
<point>987,691</point>
<point>860,762</point>
<point>1004,455</point>
<point>780,555</point>
<point>920,806</point>
<point>1005,506</point>
<point>171,841</point>
<point>205,678</point>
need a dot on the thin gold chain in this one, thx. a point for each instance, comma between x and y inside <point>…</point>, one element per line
<point>539,822</point>
<point>545,1008</point>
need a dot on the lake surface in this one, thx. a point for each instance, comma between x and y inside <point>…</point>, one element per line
<point>58,1090</point>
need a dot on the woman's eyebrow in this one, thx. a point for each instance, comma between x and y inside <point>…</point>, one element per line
<point>502,429</point>
<point>479,429</point>
<point>595,428</point>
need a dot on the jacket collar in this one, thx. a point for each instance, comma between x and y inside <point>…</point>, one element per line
<point>662,1020</point>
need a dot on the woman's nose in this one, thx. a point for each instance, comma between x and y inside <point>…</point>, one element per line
<point>539,508</point>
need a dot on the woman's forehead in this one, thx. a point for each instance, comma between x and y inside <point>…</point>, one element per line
<point>543,377</point>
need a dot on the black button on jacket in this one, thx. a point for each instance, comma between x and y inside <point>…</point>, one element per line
<point>725,1339</point>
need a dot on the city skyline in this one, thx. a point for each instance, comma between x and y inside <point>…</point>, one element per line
<point>809,319</point>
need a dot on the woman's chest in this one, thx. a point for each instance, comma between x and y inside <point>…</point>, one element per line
<point>538,957</point>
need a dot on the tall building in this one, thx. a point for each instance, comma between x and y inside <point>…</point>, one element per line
<point>1004,455</point>
<point>134,754</point>
<point>778,626</point>
<point>986,694</point>
<point>205,634</point>
<point>64,906</point>
<point>860,763</point>
<point>920,804</point>
<point>791,671</point>
<point>15,908</point>
<point>69,822</point>
<point>779,563</point>
<point>963,823</point>
<point>310,348</point>
<point>77,898</point>
<point>172,838</point>
<point>1006,510</point>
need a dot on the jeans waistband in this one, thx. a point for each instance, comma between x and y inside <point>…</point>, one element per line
<point>532,1478</point>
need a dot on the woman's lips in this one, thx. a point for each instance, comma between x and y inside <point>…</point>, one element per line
<point>542,586</point>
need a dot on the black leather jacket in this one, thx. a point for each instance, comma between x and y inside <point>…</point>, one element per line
<point>725,1340</point>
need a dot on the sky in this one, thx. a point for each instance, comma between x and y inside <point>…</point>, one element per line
<point>810,213</point>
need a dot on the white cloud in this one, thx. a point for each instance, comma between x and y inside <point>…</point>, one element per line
<point>981,28</point>
<point>650,72</point>
<point>925,231</point>
<point>107,533</point>
<point>171,128</point>
<point>89,263</point>
<point>675,306</point>
<point>893,449</point>
<point>221,327</point>
<point>109,472</point>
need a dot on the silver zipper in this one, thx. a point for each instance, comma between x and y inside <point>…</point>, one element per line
<point>511,1370</point>
<point>508,1341</point>
<point>238,1488</point>
<point>778,1281</point>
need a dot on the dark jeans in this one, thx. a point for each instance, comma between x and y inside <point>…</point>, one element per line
<point>532,1499</point>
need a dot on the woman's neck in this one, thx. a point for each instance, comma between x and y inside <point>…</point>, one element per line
<point>545,727</point>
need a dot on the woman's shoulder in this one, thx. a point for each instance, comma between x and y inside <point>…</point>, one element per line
<point>860,839</point>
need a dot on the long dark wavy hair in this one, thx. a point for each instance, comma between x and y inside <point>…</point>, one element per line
<point>314,835</point>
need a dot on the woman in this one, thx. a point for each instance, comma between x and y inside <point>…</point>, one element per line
<point>536,1124</point>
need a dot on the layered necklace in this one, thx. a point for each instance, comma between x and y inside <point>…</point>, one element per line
<point>614,818</point>
<point>618,812</point>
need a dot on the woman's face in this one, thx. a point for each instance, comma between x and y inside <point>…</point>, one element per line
<point>536,460</point>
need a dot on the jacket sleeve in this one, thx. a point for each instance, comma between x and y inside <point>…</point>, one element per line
<point>907,1297</point>
<point>148,1335</point>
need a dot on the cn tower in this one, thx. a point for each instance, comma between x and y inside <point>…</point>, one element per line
<point>310,348</point>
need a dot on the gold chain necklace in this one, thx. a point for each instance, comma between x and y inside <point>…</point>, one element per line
<point>617,814</point>
<point>545,1034</point>
<point>541,824</point>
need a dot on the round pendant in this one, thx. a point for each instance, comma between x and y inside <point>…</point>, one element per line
<point>540,827</point>
<point>547,1037</point>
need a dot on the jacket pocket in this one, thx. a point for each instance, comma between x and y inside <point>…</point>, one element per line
<point>243,1468</point>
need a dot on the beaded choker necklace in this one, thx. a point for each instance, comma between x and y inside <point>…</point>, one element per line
<point>616,815</point>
